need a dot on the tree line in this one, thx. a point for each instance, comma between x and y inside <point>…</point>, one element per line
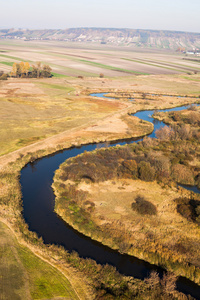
<point>24,70</point>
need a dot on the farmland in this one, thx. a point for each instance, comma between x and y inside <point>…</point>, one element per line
<point>70,59</point>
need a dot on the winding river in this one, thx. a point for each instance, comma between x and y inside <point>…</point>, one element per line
<point>38,204</point>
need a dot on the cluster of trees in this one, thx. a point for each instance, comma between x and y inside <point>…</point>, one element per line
<point>24,70</point>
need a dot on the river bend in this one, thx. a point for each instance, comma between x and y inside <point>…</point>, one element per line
<point>38,212</point>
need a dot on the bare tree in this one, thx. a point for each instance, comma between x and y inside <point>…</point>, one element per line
<point>168,283</point>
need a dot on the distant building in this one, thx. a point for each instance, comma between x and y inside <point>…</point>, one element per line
<point>193,52</point>
<point>190,52</point>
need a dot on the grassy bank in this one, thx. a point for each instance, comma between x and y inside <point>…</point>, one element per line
<point>27,276</point>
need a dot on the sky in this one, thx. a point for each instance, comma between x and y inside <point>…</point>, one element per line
<point>179,15</point>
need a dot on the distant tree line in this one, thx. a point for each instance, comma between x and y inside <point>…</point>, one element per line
<point>24,70</point>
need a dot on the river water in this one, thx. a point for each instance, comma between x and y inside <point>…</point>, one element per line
<point>38,204</point>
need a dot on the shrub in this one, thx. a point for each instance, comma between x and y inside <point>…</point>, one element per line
<point>161,164</point>
<point>130,168</point>
<point>184,209</point>
<point>192,107</point>
<point>4,77</point>
<point>146,172</point>
<point>164,133</point>
<point>168,283</point>
<point>176,116</point>
<point>147,141</point>
<point>143,206</point>
<point>193,118</point>
<point>189,209</point>
<point>198,181</point>
<point>184,132</point>
<point>182,174</point>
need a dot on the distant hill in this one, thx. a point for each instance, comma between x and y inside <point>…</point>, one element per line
<point>160,39</point>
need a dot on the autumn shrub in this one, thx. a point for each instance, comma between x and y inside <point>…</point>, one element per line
<point>175,116</point>
<point>89,205</point>
<point>124,152</point>
<point>146,171</point>
<point>168,283</point>
<point>184,131</point>
<point>189,209</point>
<point>192,107</point>
<point>161,164</point>
<point>184,209</point>
<point>198,181</point>
<point>72,193</point>
<point>164,133</point>
<point>163,288</point>
<point>197,211</point>
<point>193,118</point>
<point>4,77</point>
<point>143,206</point>
<point>128,169</point>
<point>182,174</point>
<point>148,142</point>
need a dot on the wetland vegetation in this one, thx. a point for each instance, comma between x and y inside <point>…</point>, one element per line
<point>127,197</point>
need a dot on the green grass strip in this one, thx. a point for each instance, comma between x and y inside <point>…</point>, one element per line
<point>111,67</point>
<point>7,63</point>
<point>57,75</point>
<point>45,281</point>
<point>190,78</point>
<point>151,64</point>
<point>178,64</point>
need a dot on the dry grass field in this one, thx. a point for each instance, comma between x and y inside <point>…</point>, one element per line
<point>35,109</point>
